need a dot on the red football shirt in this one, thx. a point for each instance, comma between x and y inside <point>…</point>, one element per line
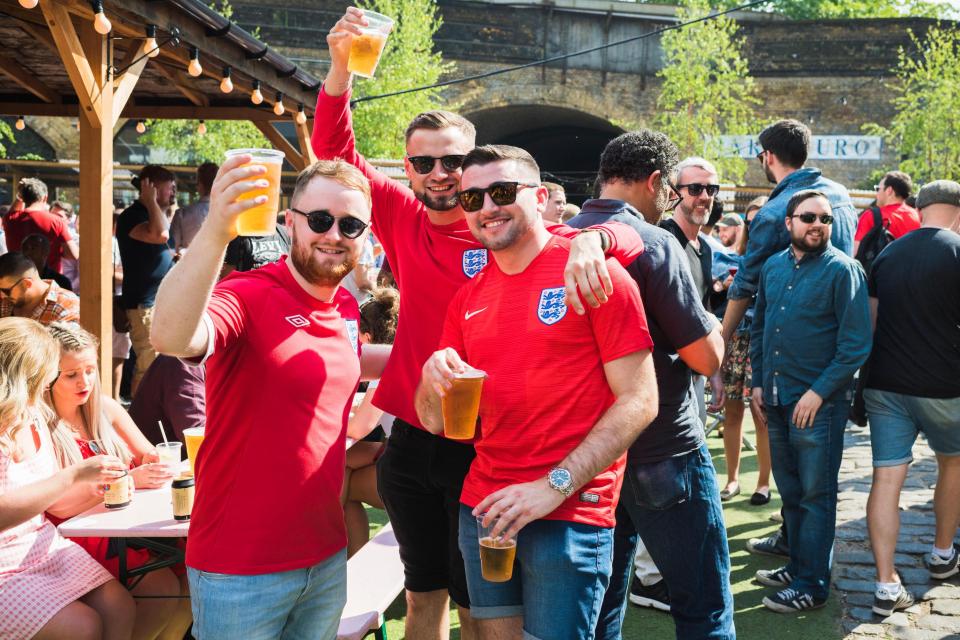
<point>902,218</point>
<point>430,262</point>
<point>20,224</point>
<point>544,393</point>
<point>279,384</point>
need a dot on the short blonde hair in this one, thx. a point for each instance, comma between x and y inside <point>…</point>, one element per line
<point>339,171</point>
<point>29,359</point>
<point>436,120</point>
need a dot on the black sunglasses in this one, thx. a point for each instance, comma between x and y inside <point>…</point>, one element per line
<point>321,221</point>
<point>425,164</point>
<point>695,188</point>
<point>8,290</point>
<point>760,155</point>
<point>808,218</point>
<point>674,200</point>
<point>502,194</point>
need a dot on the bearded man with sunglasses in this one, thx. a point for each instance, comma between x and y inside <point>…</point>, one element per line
<point>267,553</point>
<point>811,332</point>
<point>432,253</point>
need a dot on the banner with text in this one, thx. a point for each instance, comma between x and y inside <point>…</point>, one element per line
<point>821,147</point>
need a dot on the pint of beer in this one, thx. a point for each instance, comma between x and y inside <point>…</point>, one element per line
<point>365,50</point>
<point>261,220</point>
<point>496,554</point>
<point>461,405</point>
<point>194,438</point>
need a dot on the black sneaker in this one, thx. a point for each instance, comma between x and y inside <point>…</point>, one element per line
<point>775,578</point>
<point>654,596</point>
<point>772,545</point>
<point>885,603</point>
<point>792,601</point>
<point>940,568</point>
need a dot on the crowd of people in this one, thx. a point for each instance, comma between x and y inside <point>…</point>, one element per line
<point>801,310</point>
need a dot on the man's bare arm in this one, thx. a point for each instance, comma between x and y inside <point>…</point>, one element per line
<point>704,355</point>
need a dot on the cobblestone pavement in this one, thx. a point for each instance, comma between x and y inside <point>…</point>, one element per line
<point>937,612</point>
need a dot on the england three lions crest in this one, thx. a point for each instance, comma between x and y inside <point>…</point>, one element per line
<point>473,261</point>
<point>552,308</point>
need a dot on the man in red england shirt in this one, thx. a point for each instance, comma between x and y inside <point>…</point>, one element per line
<point>267,552</point>
<point>899,217</point>
<point>34,217</point>
<point>550,459</point>
<point>432,253</point>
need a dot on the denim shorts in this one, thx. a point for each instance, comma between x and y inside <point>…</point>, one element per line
<point>561,572</point>
<point>896,419</point>
<point>287,605</point>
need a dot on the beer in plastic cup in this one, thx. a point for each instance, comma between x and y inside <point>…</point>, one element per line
<point>194,438</point>
<point>496,554</point>
<point>461,405</point>
<point>365,50</point>
<point>261,220</point>
<point>169,452</point>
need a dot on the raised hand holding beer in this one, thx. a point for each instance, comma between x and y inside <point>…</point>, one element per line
<point>459,387</point>
<point>356,43</point>
<point>235,178</point>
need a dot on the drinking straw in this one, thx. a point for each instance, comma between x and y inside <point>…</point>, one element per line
<point>162,434</point>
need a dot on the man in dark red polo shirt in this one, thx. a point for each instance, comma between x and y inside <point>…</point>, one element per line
<point>35,217</point>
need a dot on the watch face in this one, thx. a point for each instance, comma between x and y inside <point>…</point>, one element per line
<point>560,477</point>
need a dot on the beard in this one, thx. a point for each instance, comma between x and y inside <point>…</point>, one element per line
<point>312,270</point>
<point>767,172</point>
<point>692,216</point>
<point>518,227</point>
<point>436,203</point>
<point>807,244</point>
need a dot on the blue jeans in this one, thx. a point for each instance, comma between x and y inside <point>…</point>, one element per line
<point>805,465</point>
<point>561,571</point>
<point>303,603</point>
<point>674,505</point>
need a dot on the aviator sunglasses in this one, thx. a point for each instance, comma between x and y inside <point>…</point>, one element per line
<point>808,218</point>
<point>502,194</point>
<point>695,189</point>
<point>424,164</point>
<point>320,222</point>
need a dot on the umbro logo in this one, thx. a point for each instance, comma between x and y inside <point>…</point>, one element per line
<point>297,321</point>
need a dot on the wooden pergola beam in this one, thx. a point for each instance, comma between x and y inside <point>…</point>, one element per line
<point>29,81</point>
<point>74,59</point>
<point>195,96</point>
<point>124,85</point>
<point>303,138</point>
<point>281,143</point>
<point>142,110</point>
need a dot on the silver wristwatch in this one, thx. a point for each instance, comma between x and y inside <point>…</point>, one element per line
<point>561,480</point>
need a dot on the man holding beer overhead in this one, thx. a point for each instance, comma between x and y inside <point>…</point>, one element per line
<point>547,474</point>
<point>432,253</point>
<point>267,552</point>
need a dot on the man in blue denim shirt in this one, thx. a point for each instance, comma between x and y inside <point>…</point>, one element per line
<point>670,493</point>
<point>811,332</point>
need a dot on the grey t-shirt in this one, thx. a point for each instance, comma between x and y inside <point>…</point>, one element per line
<point>676,318</point>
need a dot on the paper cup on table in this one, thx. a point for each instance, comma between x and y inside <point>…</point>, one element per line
<point>366,49</point>
<point>261,220</point>
<point>194,438</point>
<point>461,405</point>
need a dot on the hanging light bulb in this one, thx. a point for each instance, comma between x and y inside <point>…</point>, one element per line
<point>226,84</point>
<point>20,124</point>
<point>141,126</point>
<point>202,128</point>
<point>150,44</point>
<point>100,23</point>
<point>29,4</point>
<point>256,97</point>
<point>194,68</point>
<point>278,105</point>
<point>301,114</point>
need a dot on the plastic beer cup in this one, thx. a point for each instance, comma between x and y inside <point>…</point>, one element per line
<point>261,220</point>
<point>365,50</point>
<point>194,438</point>
<point>496,554</point>
<point>169,452</point>
<point>461,405</point>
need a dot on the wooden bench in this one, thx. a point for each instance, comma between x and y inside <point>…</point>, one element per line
<point>374,580</point>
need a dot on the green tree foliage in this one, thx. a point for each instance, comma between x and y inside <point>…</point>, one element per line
<point>6,133</point>
<point>183,145</point>
<point>822,9</point>
<point>707,89</point>
<point>924,129</point>
<point>408,61</point>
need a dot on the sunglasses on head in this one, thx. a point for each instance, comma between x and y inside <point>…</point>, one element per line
<point>321,221</point>
<point>808,218</point>
<point>424,164</point>
<point>695,189</point>
<point>502,194</point>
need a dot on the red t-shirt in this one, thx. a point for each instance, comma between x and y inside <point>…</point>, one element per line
<point>544,393</point>
<point>430,262</point>
<point>902,218</point>
<point>279,384</point>
<point>20,224</point>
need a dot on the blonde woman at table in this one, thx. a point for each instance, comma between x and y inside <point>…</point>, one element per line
<point>88,422</point>
<point>49,586</point>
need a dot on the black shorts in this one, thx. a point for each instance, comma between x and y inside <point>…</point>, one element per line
<point>419,478</point>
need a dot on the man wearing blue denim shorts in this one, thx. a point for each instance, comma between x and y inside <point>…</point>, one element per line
<point>810,334</point>
<point>913,384</point>
<point>550,458</point>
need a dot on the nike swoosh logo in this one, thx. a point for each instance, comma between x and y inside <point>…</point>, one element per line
<point>470,314</point>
